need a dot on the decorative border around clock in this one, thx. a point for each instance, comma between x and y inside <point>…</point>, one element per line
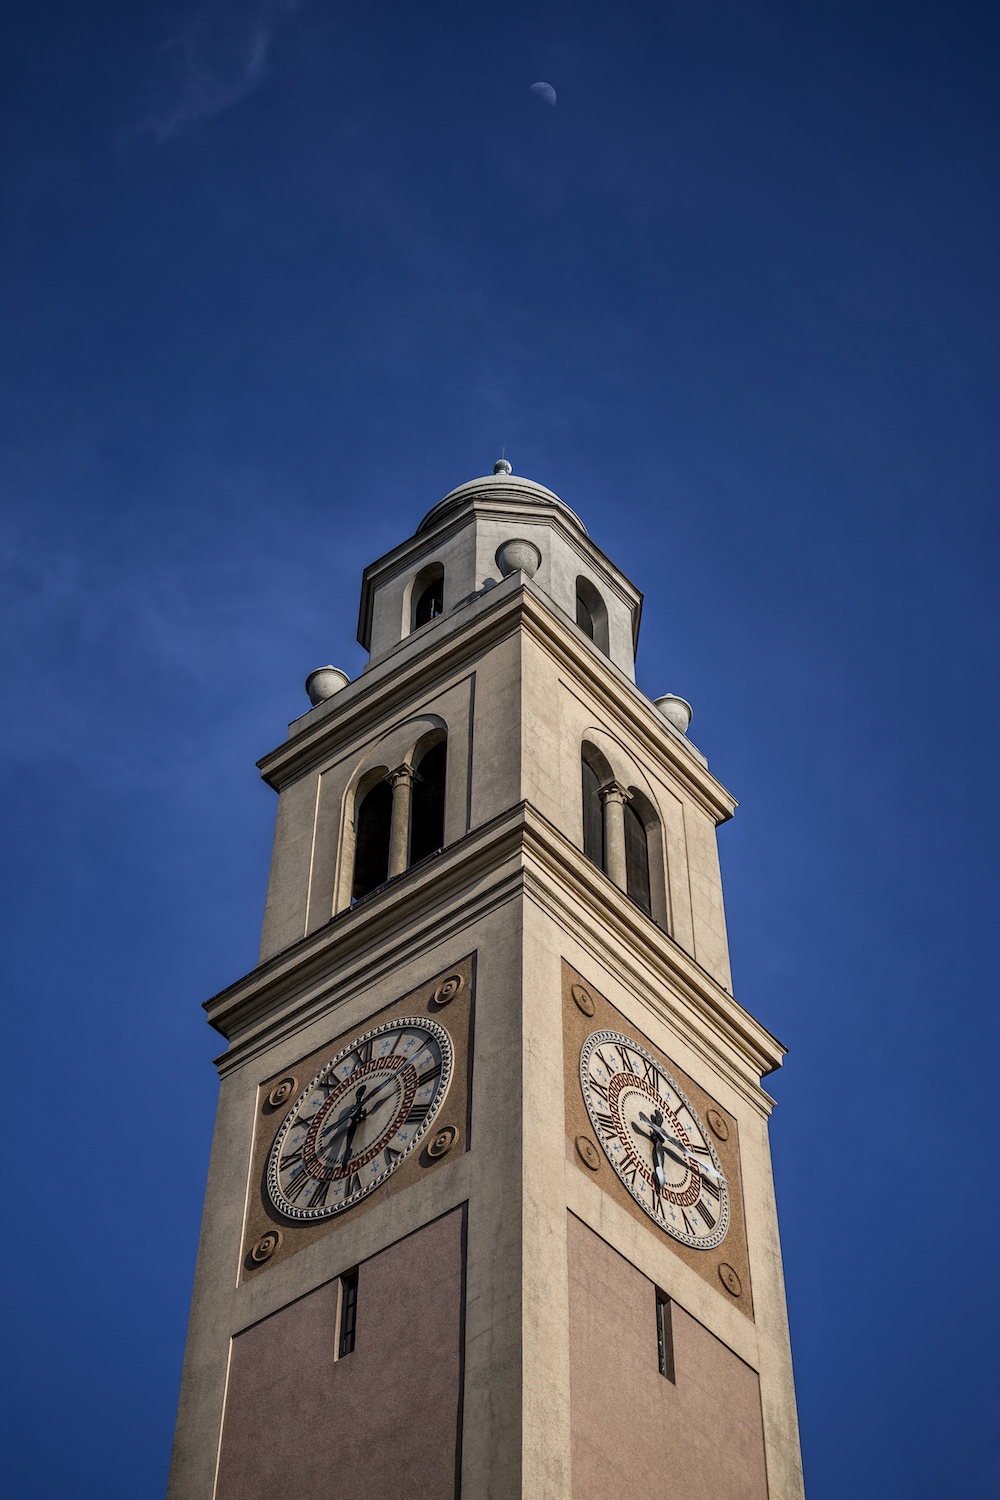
<point>401,1023</point>
<point>591,1044</point>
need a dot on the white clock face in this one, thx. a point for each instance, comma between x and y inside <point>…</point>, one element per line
<point>363,1113</point>
<point>654,1140</point>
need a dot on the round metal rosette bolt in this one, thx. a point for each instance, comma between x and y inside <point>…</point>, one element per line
<point>266,1246</point>
<point>442,1141</point>
<point>730,1280</point>
<point>324,682</point>
<point>518,553</point>
<point>448,989</point>
<point>675,710</point>
<point>281,1092</point>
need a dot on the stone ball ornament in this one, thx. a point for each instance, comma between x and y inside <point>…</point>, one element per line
<point>324,682</point>
<point>676,711</point>
<point>518,553</point>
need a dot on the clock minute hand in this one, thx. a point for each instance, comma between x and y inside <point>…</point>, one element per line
<point>358,1110</point>
<point>379,1087</point>
<point>686,1158</point>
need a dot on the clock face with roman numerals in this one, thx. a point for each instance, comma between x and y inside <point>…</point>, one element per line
<point>654,1140</point>
<point>365,1110</point>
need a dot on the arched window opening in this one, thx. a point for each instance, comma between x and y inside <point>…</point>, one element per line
<point>593,816</point>
<point>637,860</point>
<point>373,825</point>
<point>428,595</point>
<point>591,614</point>
<point>427,803</point>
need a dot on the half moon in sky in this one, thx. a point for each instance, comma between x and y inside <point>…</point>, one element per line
<point>544,91</point>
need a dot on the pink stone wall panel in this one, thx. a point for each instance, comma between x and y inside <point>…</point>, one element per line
<point>636,1435</point>
<point>383,1420</point>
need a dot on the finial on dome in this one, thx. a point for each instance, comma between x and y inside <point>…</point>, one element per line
<point>502,467</point>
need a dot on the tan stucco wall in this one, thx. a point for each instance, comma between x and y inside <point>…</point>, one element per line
<point>637,1435</point>
<point>384,1420</point>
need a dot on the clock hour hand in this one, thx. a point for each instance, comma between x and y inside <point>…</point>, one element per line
<point>355,1114</point>
<point>678,1150</point>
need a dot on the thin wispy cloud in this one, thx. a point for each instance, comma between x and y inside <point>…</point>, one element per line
<point>216,61</point>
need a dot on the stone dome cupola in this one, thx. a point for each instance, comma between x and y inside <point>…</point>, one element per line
<point>459,551</point>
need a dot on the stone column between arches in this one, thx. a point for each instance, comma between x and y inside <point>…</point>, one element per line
<point>401,780</point>
<point>614,797</point>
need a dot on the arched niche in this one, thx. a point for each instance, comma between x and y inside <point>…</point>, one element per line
<point>595,772</point>
<point>604,760</point>
<point>592,614</point>
<point>372,826</point>
<point>646,818</point>
<point>423,598</point>
<point>404,745</point>
<point>427,799</point>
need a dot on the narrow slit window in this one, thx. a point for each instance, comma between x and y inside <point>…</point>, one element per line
<point>348,1313</point>
<point>664,1336</point>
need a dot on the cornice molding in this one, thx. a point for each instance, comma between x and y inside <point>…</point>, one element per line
<point>467,636</point>
<point>404,556</point>
<point>518,855</point>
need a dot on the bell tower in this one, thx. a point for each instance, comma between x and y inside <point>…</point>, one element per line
<point>490,1210</point>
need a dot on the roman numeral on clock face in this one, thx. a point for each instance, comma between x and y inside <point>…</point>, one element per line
<point>318,1198</point>
<point>391,1157</point>
<point>418,1112</point>
<point>354,1185</point>
<point>626,1059</point>
<point>431,1073</point>
<point>708,1186</point>
<point>296,1186</point>
<point>606,1123</point>
<point>651,1073</point>
<point>706,1214</point>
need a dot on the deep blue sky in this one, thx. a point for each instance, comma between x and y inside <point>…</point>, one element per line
<point>277,276</point>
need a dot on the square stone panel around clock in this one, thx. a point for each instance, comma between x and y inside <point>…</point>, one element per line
<point>715,1264</point>
<point>453,1009</point>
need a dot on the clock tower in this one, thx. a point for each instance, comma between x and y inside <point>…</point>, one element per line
<point>490,1210</point>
